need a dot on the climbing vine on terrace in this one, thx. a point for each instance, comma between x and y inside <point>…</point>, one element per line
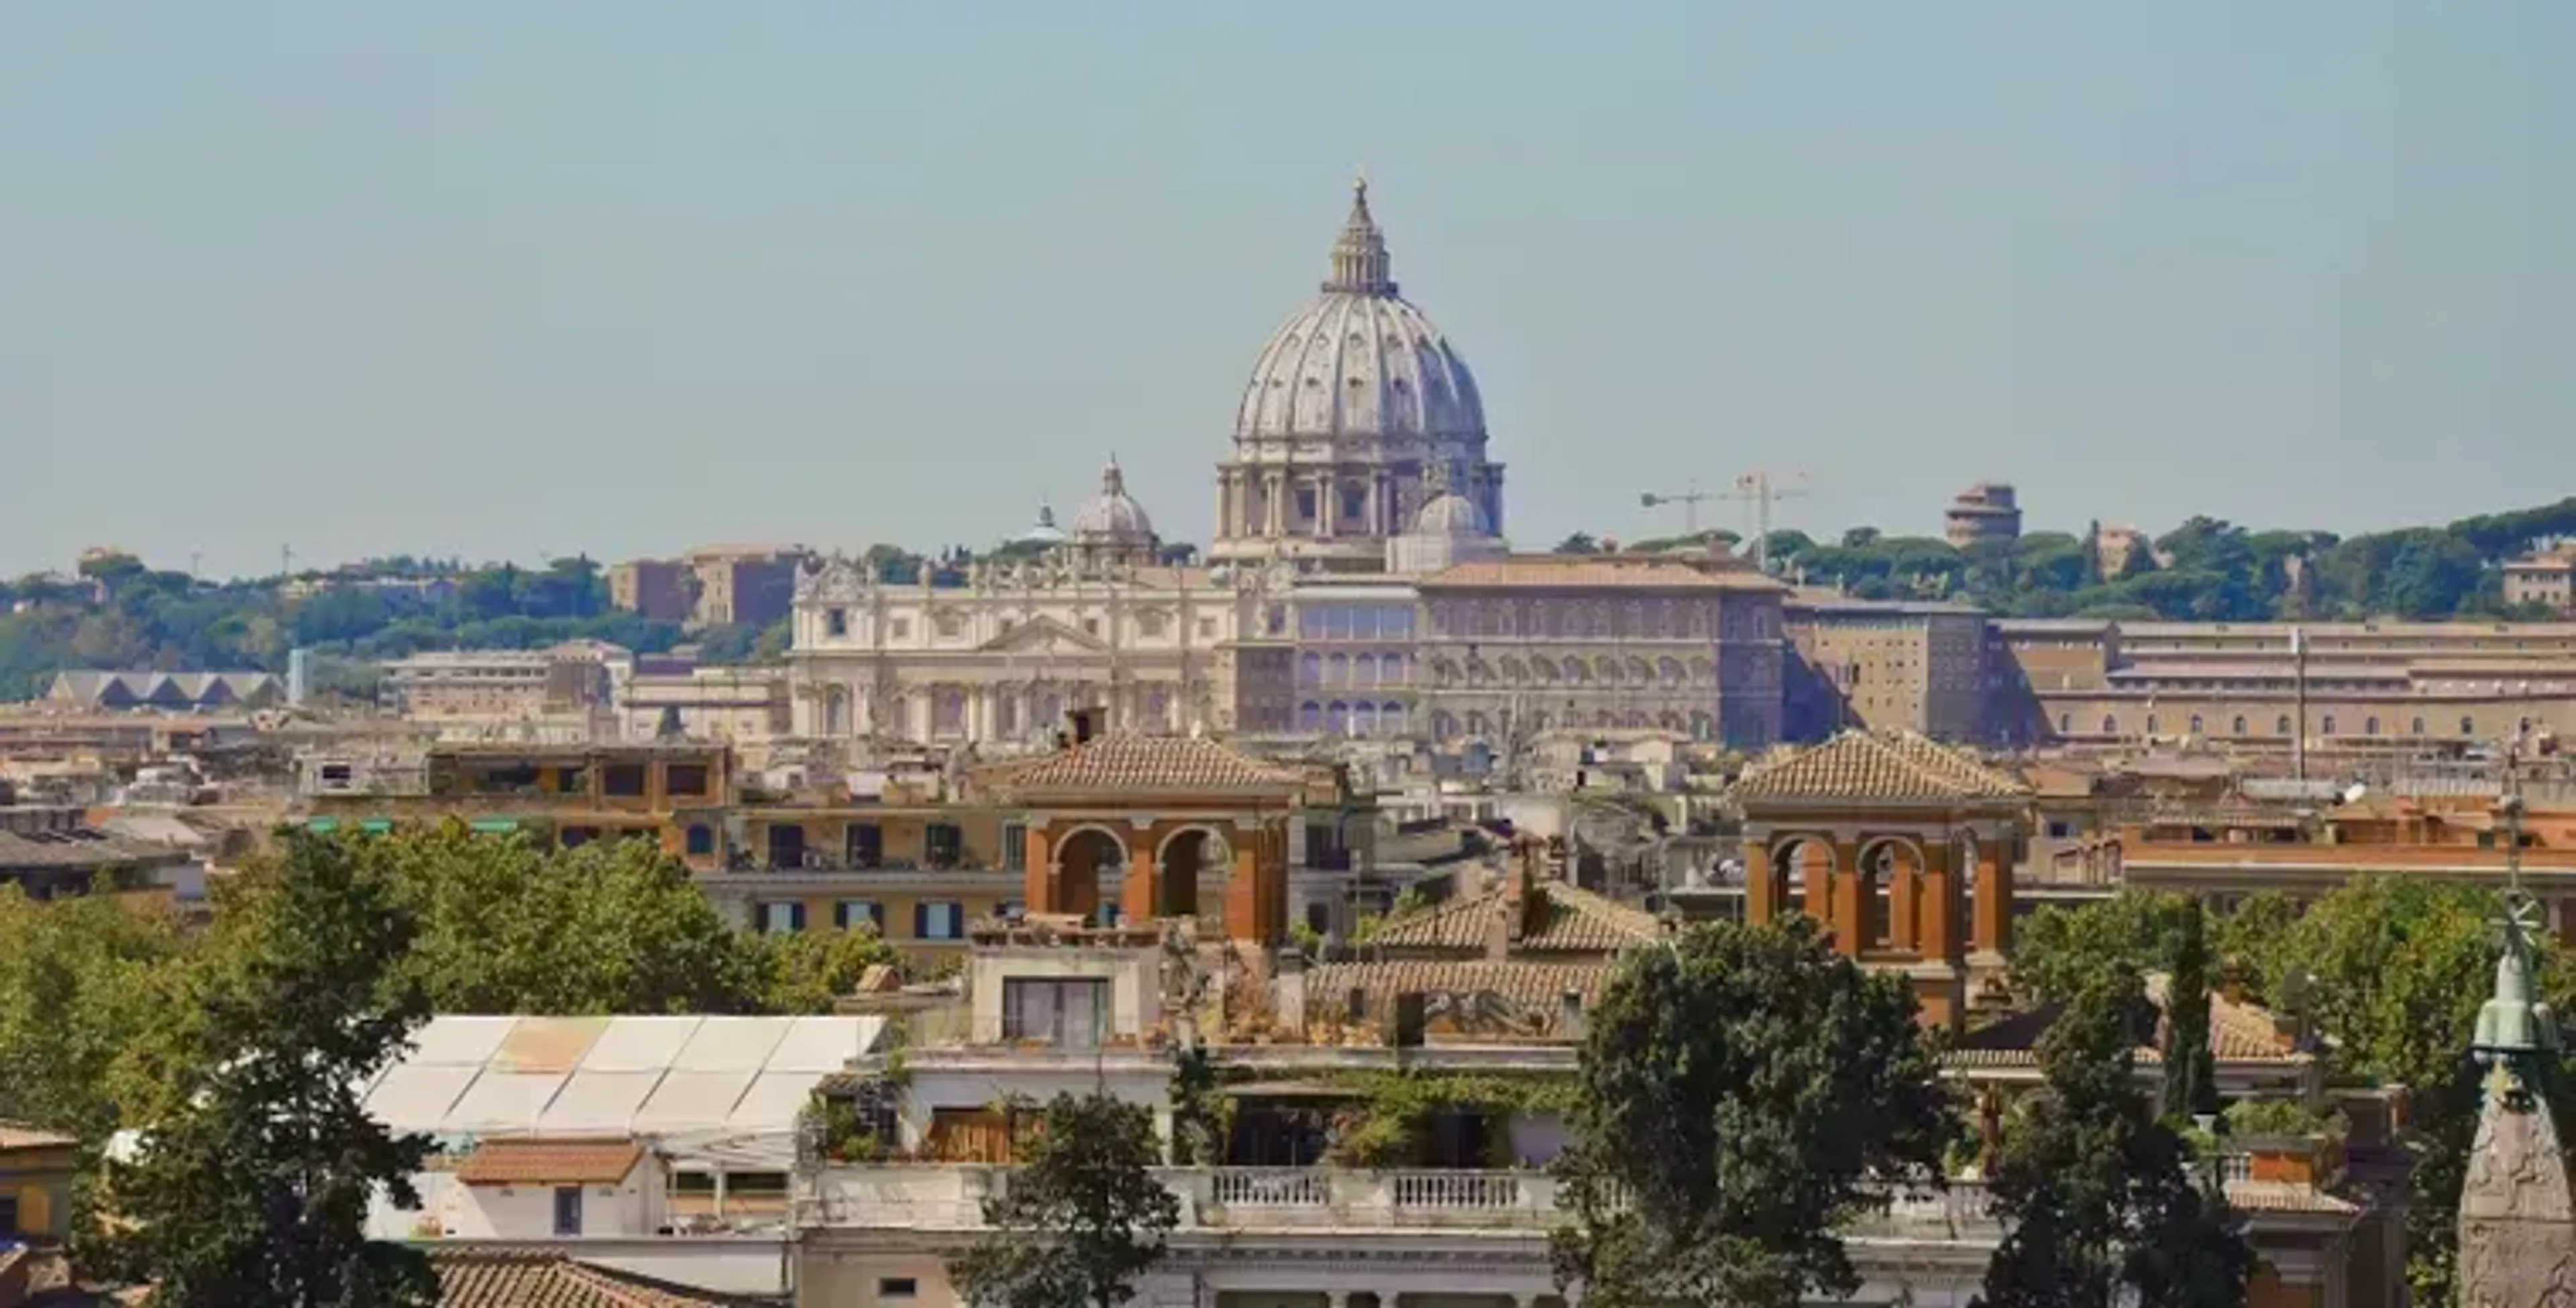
<point>1387,1122</point>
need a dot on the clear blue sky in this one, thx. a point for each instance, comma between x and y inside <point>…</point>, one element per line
<point>621,276</point>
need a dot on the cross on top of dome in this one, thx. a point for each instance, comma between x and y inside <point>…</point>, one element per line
<point>1360,262</point>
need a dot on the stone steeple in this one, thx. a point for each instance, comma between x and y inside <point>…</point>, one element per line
<point>2517,1218</point>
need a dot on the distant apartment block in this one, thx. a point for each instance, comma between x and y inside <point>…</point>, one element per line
<point>1984,512</point>
<point>506,684</point>
<point>713,585</point>
<point>2547,579</point>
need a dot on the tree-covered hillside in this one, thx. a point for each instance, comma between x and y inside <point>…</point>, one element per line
<point>2203,570</point>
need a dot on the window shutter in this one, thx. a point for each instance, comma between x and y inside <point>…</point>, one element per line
<point>841,914</point>
<point>876,917</point>
<point>796,916</point>
<point>920,920</point>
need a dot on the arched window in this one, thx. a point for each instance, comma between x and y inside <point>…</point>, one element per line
<point>2468,726</point>
<point>2281,725</point>
<point>1310,669</point>
<point>1391,718</point>
<point>2238,726</point>
<point>2415,728</point>
<point>2066,724</point>
<point>2370,726</point>
<point>2110,725</point>
<point>1878,897</point>
<point>1364,670</point>
<point>2328,725</point>
<point>1310,717</point>
<point>1337,718</point>
<point>1337,670</point>
<point>2196,728</point>
<point>2151,724</point>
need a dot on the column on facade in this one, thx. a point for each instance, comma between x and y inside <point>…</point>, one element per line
<point>1140,896</point>
<point>1903,924</point>
<point>1760,896</point>
<point>1274,506</point>
<point>1994,894</point>
<point>1935,936</point>
<point>1326,503</point>
<point>1818,889</point>
<point>1844,908</point>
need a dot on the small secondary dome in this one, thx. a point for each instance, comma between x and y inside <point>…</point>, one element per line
<point>1113,516</point>
<point>1449,513</point>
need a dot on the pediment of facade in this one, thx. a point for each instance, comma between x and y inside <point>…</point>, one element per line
<point>1039,635</point>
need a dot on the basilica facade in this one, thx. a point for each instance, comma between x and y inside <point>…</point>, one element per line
<point>1357,586</point>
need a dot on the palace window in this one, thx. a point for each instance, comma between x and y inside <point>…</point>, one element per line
<point>836,622</point>
<point>2281,725</point>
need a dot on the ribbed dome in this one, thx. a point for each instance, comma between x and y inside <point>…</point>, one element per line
<point>1360,360</point>
<point>1113,515</point>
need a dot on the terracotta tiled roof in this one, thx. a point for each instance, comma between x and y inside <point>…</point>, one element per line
<point>1131,763</point>
<point>2238,1033</point>
<point>1861,766</point>
<point>526,1278</point>
<point>540,1160</point>
<point>1590,572</point>
<point>1571,921</point>
<point>2286,1197</point>
<point>1537,985</point>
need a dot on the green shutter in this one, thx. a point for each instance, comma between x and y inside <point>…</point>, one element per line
<point>376,826</point>
<point>323,826</point>
<point>495,824</point>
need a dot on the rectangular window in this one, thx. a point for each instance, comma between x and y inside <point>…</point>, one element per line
<point>939,919</point>
<point>782,917</point>
<point>567,1210</point>
<point>836,622</point>
<point>902,628</point>
<point>701,841</point>
<point>685,779</point>
<point>897,1287</point>
<point>1306,504</point>
<point>943,846</point>
<point>850,913</point>
<point>623,780</point>
<point>1015,847</point>
<point>9,1215</point>
<point>866,845</point>
<point>1069,1014</point>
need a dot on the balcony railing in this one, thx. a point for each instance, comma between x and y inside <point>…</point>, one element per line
<point>951,1197</point>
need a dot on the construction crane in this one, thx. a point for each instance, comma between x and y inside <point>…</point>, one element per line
<point>1760,489</point>
<point>1690,500</point>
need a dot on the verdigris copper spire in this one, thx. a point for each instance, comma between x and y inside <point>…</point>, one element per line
<point>2517,1219</point>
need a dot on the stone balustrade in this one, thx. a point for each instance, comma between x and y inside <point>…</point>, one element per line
<point>951,1197</point>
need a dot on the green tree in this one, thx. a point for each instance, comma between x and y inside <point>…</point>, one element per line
<point>76,984</point>
<point>1080,1219</point>
<point>2190,1072</point>
<point>1578,543</point>
<point>2094,1191</point>
<point>253,1181</point>
<point>2057,950</point>
<point>1744,1094</point>
<point>610,927</point>
<point>808,971</point>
